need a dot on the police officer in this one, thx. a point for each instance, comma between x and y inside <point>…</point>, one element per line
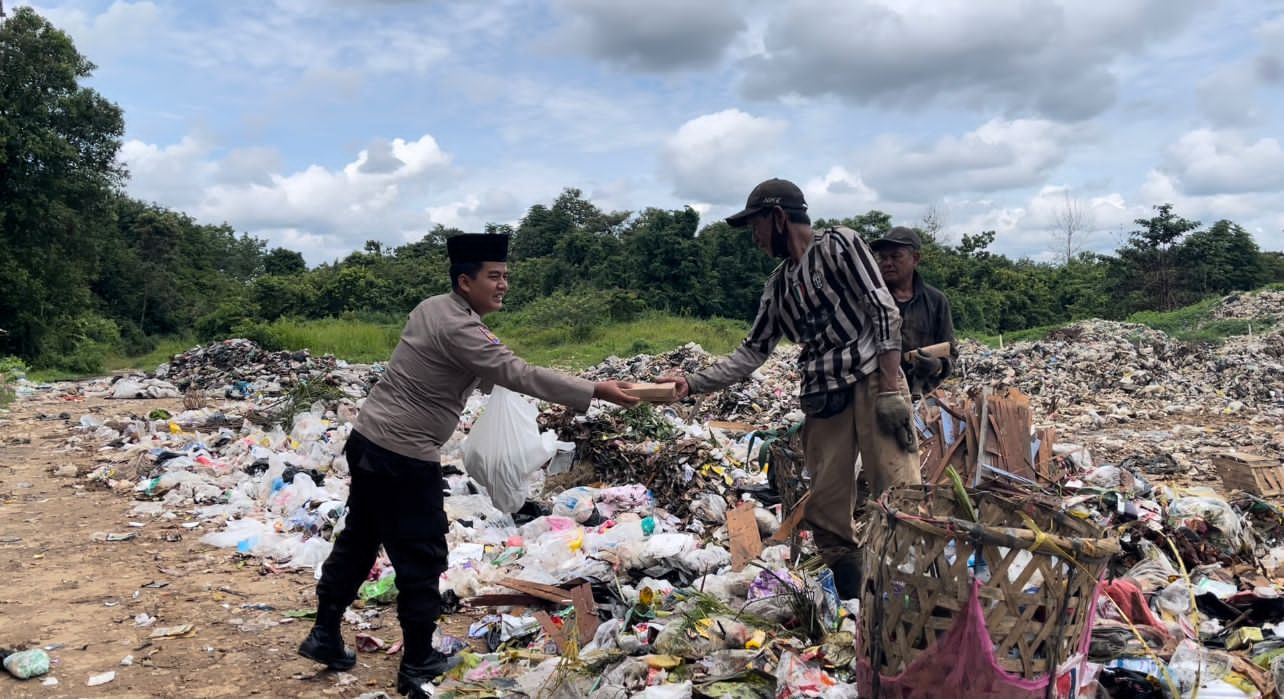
<point>925,312</point>
<point>393,454</point>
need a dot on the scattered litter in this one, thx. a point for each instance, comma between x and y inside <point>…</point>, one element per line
<point>664,542</point>
<point>26,664</point>
<point>101,678</point>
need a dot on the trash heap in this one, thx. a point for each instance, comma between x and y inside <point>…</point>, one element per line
<point>1265,306</point>
<point>654,563</point>
<point>239,368</point>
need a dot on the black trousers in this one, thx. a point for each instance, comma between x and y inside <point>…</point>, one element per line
<point>395,501</point>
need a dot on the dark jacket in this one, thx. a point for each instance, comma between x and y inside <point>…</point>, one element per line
<point>925,318</point>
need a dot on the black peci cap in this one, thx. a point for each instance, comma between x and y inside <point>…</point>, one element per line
<point>477,247</point>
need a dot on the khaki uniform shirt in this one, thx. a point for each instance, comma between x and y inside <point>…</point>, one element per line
<point>444,353</point>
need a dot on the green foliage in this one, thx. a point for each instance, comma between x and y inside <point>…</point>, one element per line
<point>11,369</point>
<point>58,144</point>
<point>1193,323</point>
<point>577,314</point>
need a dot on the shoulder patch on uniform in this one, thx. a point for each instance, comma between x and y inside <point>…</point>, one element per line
<point>490,336</point>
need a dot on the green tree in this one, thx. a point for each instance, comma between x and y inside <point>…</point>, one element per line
<point>1148,271</point>
<point>871,225</point>
<point>1221,259</point>
<point>283,262</point>
<point>58,169</point>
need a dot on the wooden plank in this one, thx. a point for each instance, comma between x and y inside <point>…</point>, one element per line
<point>746,544</point>
<point>732,427</point>
<point>504,600</point>
<point>556,595</point>
<point>791,521</point>
<point>557,635</point>
<point>1047,438</point>
<point>586,620</point>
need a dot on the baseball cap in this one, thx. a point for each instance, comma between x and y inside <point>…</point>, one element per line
<point>773,192</point>
<point>899,235</point>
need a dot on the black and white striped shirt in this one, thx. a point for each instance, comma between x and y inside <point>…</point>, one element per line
<point>832,303</point>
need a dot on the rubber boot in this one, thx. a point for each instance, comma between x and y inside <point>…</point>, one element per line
<point>848,576</point>
<point>325,643</point>
<point>412,676</point>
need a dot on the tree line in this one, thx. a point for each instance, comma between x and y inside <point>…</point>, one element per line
<point>86,270</point>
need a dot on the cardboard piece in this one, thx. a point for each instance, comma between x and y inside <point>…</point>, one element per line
<point>586,619</point>
<point>746,543</point>
<point>791,521</point>
<point>653,392</point>
<point>549,593</point>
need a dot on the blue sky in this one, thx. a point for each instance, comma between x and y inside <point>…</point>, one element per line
<point>320,124</point>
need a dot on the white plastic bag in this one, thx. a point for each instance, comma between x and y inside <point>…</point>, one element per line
<point>505,447</point>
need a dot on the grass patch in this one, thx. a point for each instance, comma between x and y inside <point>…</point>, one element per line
<point>165,350</point>
<point>1195,323</point>
<point>652,333</point>
<point>1003,339</point>
<point>353,340</point>
<point>560,346</point>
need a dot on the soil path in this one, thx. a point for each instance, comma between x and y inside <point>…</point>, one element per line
<point>65,590</point>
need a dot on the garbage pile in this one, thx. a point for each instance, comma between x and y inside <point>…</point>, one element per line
<point>642,570</point>
<point>1266,306</point>
<point>239,369</point>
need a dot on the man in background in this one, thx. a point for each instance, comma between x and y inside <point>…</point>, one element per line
<point>925,312</point>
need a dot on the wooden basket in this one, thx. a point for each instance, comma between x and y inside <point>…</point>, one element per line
<point>1251,473</point>
<point>1036,601</point>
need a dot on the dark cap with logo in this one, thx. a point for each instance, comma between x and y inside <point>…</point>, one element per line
<point>477,247</point>
<point>773,192</point>
<point>899,235</point>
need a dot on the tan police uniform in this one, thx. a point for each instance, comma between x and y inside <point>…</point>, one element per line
<point>445,352</point>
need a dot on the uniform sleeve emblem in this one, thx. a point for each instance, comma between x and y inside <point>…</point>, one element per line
<point>490,336</point>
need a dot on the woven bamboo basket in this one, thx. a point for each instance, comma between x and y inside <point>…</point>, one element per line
<point>1038,585</point>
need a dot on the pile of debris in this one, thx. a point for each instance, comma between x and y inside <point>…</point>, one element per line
<point>239,368</point>
<point>1266,306</point>
<point>655,564</point>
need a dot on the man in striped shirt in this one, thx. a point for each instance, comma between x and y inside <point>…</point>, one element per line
<point>828,297</point>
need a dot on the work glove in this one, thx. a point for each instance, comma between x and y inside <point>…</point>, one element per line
<point>892,411</point>
<point>926,372</point>
<point>925,365</point>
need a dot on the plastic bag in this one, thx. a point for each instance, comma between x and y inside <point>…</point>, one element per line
<point>505,448</point>
<point>26,664</point>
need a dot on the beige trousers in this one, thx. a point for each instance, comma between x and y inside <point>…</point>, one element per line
<point>830,448</point>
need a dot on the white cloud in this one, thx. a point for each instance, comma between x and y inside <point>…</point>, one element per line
<point>655,36</point>
<point>381,194</point>
<point>717,158</point>
<point>837,194</point>
<point>1054,58</point>
<point>1206,161</point>
<point>123,27</point>
<point>998,155</point>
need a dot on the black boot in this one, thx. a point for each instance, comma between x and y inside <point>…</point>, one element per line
<point>848,576</point>
<point>325,643</point>
<point>411,676</point>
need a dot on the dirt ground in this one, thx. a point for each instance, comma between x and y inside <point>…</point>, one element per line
<point>79,597</point>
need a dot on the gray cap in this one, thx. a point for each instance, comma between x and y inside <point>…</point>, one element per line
<point>899,235</point>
